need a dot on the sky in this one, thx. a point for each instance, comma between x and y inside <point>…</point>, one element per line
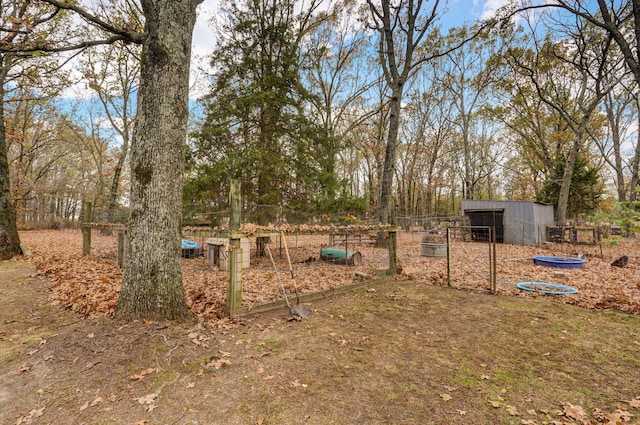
<point>457,13</point>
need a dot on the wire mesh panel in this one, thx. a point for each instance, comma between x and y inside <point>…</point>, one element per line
<point>471,257</point>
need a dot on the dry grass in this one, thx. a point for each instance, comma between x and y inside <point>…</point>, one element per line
<point>398,352</point>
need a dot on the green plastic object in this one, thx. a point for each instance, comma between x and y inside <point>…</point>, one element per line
<point>341,256</point>
<point>335,253</point>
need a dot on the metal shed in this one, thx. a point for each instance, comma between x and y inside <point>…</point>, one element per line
<point>516,222</point>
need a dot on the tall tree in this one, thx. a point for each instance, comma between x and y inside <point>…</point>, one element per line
<point>469,75</point>
<point>255,128</point>
<point>338,76</point>
<point>112,72</point>
<point>620,106</point>
<point>426,142</point>
<point>152,280</point>
<point>570,76</point>
<point>22,23</point>
<point>402,27</point>
<point>620,19</point>
<point>44,159</point>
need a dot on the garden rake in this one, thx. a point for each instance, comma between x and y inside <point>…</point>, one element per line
<point>280,281</point>
<point>301,309</point>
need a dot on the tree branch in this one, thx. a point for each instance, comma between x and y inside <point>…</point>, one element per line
<point>131,36</point>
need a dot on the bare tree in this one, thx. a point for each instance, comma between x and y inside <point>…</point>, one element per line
<point>571,77</point>
<point>620,107</point>
<point>20,23</point>
<point>402,27</point>
<point>112,72</point>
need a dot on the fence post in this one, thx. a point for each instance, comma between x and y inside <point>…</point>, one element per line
<point>448,256</point>
<point>86,230</point>
<point>393,263</point>
<point>234,273</point>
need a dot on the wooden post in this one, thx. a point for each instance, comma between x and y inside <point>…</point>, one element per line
<point>235,205</point>
<point>448,256</point>
<point>495,270</point>
<point>393,260</point>
<point>86,230</point>
<point>234,272</point>
<point>121,248</point>
<point>234,275</point>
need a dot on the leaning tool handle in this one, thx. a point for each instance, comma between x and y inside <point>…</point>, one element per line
<point>284,242</point>
<point>279,280</point>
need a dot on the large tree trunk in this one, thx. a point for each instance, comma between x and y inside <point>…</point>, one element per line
<point>388,169</point>
<point>563,197</point>
<point>635,171</point>
<point>9,240</point>
<point>152,280</point>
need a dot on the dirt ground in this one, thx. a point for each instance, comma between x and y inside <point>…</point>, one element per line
<point>395,352</point>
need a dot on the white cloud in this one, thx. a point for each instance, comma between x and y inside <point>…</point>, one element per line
<point>490,7</point>
<point>203,34</point>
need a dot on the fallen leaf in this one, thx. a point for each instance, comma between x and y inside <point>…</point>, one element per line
<point>512,411</point>
<point>147,399</point>
<point>191,385</point>
<point>462,412</point>
<point>634,403</point>
<point>446,397</point>
<point>621,416</point>
<point>84,406</point>
<point>574,412</point>
<point>219,363</point>
<point>142,374</point>
<point>36,413</point>
<point>495,404</point>
<point>96,401</point>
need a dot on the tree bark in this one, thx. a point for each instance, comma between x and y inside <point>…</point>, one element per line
<point>152,279</point>
<point>9,240</point>
<point>390,155</point>
<point>563,196</point>
<point>613,116</point>
<point>635,171</point>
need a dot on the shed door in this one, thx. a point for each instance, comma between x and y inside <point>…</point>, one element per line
<point>493,218</point>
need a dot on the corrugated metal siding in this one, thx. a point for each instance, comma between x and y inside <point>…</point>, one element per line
<point>524,221</point>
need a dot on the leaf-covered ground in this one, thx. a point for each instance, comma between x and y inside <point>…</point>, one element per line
<point>396,352</point>
<point>90,285</point>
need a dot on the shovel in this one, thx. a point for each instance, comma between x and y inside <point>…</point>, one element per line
<point>300,309</point>
<point>279,280</point>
